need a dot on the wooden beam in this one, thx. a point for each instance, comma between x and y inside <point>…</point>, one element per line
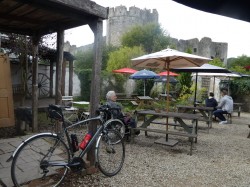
<point>60,44</point>
<point>35,41</point>
<point>63,76</point>
<point>72,7</point>
<point>51,71</point>
<point>97,28</point>
<point>71,77</point>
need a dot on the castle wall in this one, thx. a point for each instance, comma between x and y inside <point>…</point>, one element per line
<point>205,47</point>
<point>120,20</point>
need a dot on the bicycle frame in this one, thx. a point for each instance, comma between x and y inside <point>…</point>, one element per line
<point>97,133</point>
<point>65,131</point>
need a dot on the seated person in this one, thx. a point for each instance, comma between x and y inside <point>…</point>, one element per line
<point>225,107</point>
<point>117,114</point>
<point>211,101</point>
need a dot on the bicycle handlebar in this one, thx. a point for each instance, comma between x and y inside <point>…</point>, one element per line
<point>104,108</point>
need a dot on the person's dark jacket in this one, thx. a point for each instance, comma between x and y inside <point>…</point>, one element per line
<point>211,102</point>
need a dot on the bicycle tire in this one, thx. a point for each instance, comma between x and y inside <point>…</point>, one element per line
<point>117,125</point>
<point>110,152</point>
<point>27,162</point>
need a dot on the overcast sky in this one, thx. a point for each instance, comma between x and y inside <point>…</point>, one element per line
<point>180,22</point>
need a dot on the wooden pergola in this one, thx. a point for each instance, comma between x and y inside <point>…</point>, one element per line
<point>36,18</point>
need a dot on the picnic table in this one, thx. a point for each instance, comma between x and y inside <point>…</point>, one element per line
<point>206,113</point>
<point>238,106</point>
<point>144,100</point>
<point>191,133</point>
<point>165,96</point>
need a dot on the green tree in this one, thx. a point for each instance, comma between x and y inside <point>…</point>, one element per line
<point>83,68</point>
<point>185,79</point>
<point>240,61</point>
<point>122,57</point>
<point>217,62</point>
<point>119,59</point>
<point>84,59</point>
<point>152,37</point>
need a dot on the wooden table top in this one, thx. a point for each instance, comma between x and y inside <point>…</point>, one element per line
<point>195,107</point>
<point>169,114</point>
<point>144,98</point>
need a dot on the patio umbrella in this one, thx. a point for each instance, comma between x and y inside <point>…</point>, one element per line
<point>125,71</point>
<point>169,58</point>
<point>166,59</point>
<point>204,68</point>
<point>165,73</point>
<point>144,74</point>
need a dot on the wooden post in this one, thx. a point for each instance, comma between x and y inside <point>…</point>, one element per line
<point>71,77</point>
<point>35,41</point>
<point>63,76</point>
<point>59,62</point>
<point>60,43</point>
<point>51,79</point>
<point>97,28</point>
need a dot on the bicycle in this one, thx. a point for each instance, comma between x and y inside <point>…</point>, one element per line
<point>52,155</point>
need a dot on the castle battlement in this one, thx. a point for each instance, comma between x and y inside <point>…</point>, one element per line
<point>122,19</point>
<point>132,11</point>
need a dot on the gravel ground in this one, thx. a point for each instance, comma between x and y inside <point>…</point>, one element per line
<point>220,158</point>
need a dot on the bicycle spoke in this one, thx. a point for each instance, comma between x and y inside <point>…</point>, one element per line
<point>33,159</point>
<point>111,153</point>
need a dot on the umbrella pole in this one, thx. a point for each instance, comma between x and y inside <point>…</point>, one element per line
<point>195,89</point>
<point>167,100</point>
<point>214,84</point>
<point>144,87</point>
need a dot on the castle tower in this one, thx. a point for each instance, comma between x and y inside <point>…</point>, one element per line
<point>120,20</point>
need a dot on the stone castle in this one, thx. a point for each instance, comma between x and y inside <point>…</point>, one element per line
<point>121,19</point>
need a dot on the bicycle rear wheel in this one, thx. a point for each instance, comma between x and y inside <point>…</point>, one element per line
<point>117,125</point>
<point>110,152</point>
<point>32,163</point>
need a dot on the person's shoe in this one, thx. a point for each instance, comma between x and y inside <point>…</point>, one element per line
<point>223,122</point>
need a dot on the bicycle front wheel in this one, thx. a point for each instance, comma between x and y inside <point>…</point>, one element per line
<point>40,161</point>
<point>117,125</point>
<point>110,152</point>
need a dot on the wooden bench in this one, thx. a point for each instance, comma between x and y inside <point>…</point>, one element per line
<point>191,133</point>
<point>190,136</point>
<point>208,122</point>
<point>134,103</point>
<point>237,108</point>
<point>126,99</point>
<point>170,124</point>
<point>229,118</point>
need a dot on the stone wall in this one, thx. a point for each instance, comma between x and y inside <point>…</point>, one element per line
<point>120,20</point>
<point>205,47</point>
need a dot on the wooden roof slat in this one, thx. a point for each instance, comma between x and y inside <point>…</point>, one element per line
<point>45,17</point>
